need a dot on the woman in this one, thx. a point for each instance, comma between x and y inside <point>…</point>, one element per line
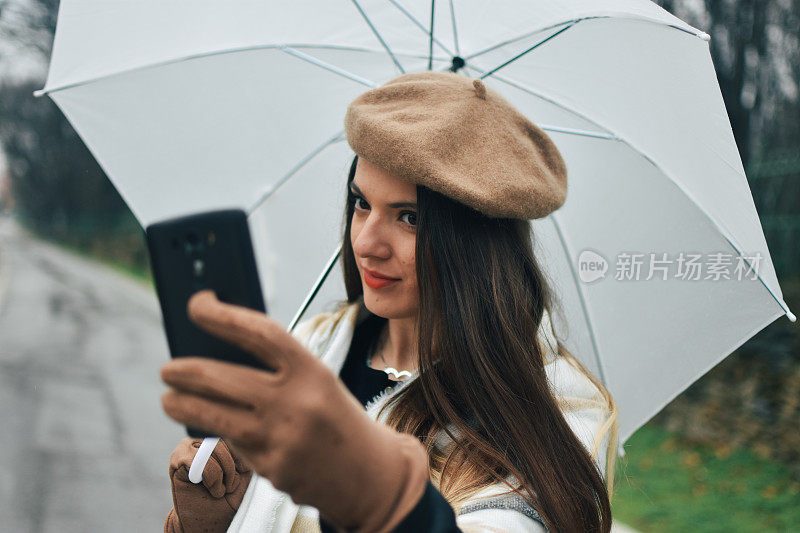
<point>445,337</point>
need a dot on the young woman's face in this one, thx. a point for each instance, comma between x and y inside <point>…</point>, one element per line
<point>383,235</point>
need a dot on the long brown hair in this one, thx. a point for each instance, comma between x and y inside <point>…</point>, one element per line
<point>481,374</point>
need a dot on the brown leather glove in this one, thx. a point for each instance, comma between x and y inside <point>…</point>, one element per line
<point>298,426</point>
<point>211,504</point>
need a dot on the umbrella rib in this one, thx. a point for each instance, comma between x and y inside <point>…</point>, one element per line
<point>581,297</point>
<point>315,289</point>
<point>495,69</point>
<point>573,131</point>
<point>327,66</point>
<point>87,81</point>
<point>357,49</point>
<point>702,35</point>
<point>455,32</point>
<point>519,38</point>
<point>430,49</point>
<point>286,177</point>
<point>419,25</point>
<point>378,35</point>
<point>680,187</point>
<point>526,89</point>
<point>779,301</point>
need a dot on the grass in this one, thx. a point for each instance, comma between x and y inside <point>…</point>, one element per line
<point>141,275</point>
<point>665,483</point>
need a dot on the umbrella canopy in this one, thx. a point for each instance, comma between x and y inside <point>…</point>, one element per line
<point>191,106</point>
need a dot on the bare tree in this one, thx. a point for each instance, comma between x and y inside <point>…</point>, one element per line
<point>60,190</point>
<point>29,24</point>
<point>751,45</point>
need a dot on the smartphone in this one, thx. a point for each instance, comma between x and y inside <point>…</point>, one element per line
<point>210,250</point>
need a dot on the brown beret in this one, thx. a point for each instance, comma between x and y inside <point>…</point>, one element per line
<point>454,135</point>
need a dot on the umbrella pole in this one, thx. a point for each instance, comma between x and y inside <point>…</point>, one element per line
<point>315,289</point>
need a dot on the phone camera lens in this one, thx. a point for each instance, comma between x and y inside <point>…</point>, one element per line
<point>193,243</point>
<point>199,268</point>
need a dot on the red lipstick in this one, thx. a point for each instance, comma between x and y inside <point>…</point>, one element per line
<point>376,280</point>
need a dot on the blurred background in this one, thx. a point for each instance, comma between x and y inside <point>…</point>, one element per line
<point>74,280</point>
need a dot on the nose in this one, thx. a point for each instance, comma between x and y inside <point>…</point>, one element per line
<point>369,238</point>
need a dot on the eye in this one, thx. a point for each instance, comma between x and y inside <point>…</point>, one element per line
<point>358,202</point>
<point>409,217</point>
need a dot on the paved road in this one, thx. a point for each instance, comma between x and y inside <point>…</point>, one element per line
<point>85,444</point>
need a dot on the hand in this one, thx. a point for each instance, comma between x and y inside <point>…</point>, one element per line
<point>298,426</point>
<point>210,505</point>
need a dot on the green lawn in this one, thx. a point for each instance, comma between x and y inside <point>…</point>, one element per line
<point>664,483</point>
<point>141,275</point>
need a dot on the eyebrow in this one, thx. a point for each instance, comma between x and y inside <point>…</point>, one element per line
<point>394,205</point>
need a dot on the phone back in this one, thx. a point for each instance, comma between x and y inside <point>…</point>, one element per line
<point>210,250</point>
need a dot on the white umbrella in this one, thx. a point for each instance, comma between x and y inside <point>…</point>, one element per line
<point>197,105</point>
